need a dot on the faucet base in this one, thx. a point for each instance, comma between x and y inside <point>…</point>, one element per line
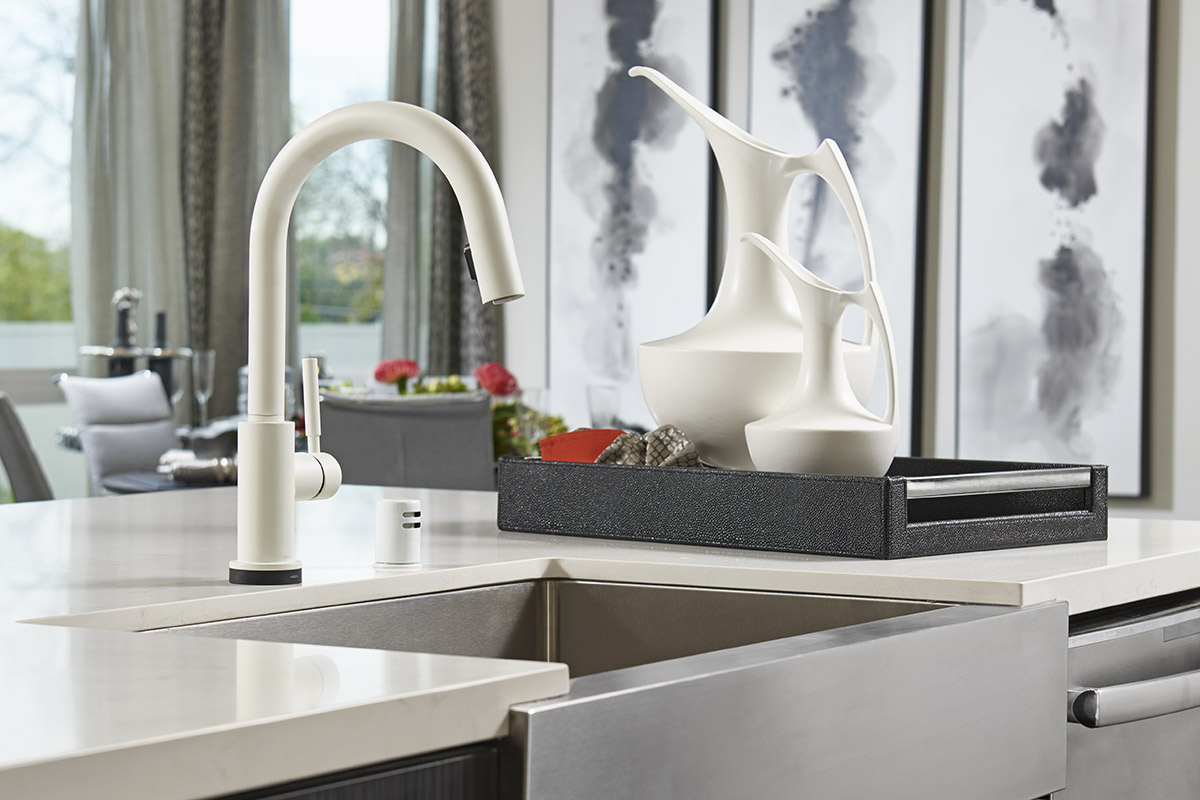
<point>264,577</point>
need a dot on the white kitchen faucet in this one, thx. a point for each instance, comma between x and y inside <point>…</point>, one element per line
<point>271,475</point>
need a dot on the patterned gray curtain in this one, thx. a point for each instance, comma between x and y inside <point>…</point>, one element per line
<point>235,118</point>
<point>463,333</point>
<point>203,26</point>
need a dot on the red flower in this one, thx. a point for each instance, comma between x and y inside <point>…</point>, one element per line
<point>498,381</point>
<point>397,371</point>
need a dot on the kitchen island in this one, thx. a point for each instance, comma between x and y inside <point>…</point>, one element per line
<point>93,708</point>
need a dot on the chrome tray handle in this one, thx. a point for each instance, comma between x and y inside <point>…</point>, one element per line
<point>1128,702</point>
<point>999,482</point>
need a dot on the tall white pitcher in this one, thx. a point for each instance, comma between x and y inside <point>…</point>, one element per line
<point>740,362</point>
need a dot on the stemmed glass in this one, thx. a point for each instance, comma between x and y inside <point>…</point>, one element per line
<point>530,408</point>
<point>180,367</point>
<point>203,372</point>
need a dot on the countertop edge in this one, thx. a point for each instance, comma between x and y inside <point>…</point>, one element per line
<point>243,756</point>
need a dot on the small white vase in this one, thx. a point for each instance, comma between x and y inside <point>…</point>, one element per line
<point>823,429</point>
<point>739,363</point>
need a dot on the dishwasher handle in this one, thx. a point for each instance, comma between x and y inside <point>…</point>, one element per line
<point>1128,702</point>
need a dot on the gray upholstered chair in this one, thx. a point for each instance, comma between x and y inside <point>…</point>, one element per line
<point>25,474</point>
<point>435,441</point>
<point>125,424</point>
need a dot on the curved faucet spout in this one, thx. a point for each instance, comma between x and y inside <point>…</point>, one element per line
<point>484,217</point>
<point>271,476</point>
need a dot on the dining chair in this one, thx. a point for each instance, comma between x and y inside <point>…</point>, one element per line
<point>428,441</point>
<point>125,424</point>
<point>25,475</point>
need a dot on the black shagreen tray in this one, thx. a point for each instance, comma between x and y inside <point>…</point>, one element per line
<point>922,507</point>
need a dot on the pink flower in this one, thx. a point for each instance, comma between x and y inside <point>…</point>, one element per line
<point>498,381</point>
<point>397,371</point>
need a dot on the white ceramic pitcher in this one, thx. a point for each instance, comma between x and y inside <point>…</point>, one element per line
<point>823,429</point>
<point>739,363</point>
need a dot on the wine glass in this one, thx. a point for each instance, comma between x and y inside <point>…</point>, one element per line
<point>530,409</point>
<point>203,372</point>
<point>181,366</point>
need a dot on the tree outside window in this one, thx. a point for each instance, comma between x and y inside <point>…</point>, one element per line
<point>37,84</point>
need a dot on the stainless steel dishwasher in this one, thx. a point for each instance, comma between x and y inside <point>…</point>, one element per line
<point>1134,702</point>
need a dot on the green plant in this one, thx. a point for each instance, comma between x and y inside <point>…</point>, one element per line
<point>35,278</point>
<point>341,279</point>
<point>516,429</point>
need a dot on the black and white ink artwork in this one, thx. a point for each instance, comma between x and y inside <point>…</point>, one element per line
<point>851,71</point>
<point>629,184</point>
<point>1053,232</point>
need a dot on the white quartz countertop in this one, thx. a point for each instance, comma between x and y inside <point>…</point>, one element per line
<point>126,715</point>
<point>106,714</point>
<point>158,560</point>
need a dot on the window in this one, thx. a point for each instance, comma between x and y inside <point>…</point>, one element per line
<point>37,86</point>
<point>339,55</point>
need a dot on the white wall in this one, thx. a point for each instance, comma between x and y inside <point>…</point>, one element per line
<point>523,56</point>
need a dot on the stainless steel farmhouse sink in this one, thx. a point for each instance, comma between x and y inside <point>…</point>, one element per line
<point>716,693</point>
<point>592,627</point>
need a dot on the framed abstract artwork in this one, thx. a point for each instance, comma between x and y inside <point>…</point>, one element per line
<point>1053,233</point>
<point>853,71</point>
<point>630,213</point>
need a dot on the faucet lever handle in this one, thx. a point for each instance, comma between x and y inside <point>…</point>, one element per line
<point>318,475</point>
<point>312,403</point>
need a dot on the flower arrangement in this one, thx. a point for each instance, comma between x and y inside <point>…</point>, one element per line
<point>400,371</point>
<point>451,384</point>
<point>516,428</point>
<point>497,380</point>
<point>397,371</point>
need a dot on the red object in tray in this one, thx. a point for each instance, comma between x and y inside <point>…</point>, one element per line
<point>581,447</point>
